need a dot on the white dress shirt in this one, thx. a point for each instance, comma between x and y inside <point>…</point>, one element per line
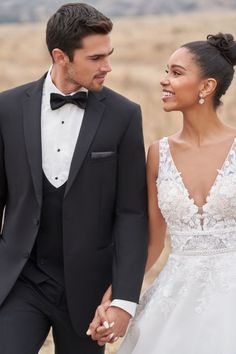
<point>60,129</point>
<point>59,132</point>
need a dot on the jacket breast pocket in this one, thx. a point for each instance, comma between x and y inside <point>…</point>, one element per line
<point>102,155</point>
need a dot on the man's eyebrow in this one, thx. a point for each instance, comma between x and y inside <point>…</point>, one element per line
<point>111,51</point>
<point>101,55</point>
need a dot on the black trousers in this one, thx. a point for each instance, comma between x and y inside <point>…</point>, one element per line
<point>29,312</point>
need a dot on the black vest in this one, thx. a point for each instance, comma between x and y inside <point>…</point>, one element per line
<point>46,259</point>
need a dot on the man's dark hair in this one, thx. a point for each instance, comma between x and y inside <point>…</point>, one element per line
<point>216,58</point>
<point>71,23</point>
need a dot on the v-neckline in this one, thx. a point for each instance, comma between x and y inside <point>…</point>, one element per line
<point>201,207</point>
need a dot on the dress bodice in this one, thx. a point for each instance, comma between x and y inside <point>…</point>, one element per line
<point>209,230</point>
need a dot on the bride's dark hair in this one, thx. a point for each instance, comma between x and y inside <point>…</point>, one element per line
<point>216,58</point>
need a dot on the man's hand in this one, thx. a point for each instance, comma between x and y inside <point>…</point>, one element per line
<point>100,318</point>
<point>116,318</point>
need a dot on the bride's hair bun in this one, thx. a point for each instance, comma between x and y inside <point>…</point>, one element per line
<point>226,44</point>
<point>216,57</point>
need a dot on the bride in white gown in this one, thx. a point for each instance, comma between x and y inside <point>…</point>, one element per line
<point>191,307</point>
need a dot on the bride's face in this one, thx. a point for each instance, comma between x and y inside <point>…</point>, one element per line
<point>182,83</point>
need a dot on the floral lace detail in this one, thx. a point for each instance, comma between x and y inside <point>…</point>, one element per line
<point>188,228</point>
<point>179,278</point>
<point>173,199</point>
<point>204,243</point>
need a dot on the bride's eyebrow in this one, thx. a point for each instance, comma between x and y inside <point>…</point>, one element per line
<point>174,66</point>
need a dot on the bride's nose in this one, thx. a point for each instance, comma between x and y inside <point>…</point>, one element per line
<point>165,81</point>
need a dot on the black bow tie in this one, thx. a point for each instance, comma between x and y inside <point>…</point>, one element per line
<point>79,98</point>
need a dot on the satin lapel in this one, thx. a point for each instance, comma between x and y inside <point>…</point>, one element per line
<point>32,131</point>
<point>90,124</point>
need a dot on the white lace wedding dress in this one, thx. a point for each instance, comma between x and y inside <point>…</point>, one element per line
<point>191,307</point>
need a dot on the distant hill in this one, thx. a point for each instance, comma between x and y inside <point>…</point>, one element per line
<point>39,10</point>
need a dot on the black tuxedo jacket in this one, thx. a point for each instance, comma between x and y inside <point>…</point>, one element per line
<point>104,208</point>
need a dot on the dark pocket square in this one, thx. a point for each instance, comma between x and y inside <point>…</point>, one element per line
<point>101,154</point>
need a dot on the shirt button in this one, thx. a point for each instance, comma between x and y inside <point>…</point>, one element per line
<point>62,122</point>
<point>58,150</point>
<point>56,178</point>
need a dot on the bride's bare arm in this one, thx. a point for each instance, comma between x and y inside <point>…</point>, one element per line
<point>156,222</point>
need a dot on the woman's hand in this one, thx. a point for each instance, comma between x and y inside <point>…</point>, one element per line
<point>100,329</point>
<point>100,326</point>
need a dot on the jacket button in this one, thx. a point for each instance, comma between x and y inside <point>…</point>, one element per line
<point>36,221</point>
<point>26,255</point>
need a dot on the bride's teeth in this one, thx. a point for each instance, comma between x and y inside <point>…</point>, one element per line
<point>168,94</point>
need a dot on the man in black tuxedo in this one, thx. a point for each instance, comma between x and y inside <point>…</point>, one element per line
<point>72,192</point>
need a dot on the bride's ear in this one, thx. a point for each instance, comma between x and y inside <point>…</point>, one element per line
<point>208,86</point>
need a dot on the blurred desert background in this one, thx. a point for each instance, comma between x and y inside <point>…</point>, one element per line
<point>142,47</point>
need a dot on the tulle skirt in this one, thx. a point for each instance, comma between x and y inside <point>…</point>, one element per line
<point>189,309</point>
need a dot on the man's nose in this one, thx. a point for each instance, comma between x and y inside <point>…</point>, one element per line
<point>106,66</point>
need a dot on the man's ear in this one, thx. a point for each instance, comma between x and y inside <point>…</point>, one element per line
<point>59,57</point>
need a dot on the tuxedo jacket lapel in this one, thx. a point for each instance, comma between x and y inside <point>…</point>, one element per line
<point>92,118</point>
<point>32,131</point>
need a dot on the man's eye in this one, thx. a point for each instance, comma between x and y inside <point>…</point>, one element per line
<point>95,58</point>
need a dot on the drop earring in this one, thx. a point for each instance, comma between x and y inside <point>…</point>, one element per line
<point>201,99</point>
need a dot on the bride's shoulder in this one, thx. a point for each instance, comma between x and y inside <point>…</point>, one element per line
<point>232,131</point>
<point>154,148</point>
<point>153,156</point>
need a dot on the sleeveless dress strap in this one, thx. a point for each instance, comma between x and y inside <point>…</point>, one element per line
<point>163,155</point>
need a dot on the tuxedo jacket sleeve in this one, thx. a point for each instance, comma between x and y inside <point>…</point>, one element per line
<point>130,213</point>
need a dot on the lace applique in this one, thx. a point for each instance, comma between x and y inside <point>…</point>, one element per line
<point>221,204</point>
<point>179,278</point>
<point>178,210</point>
<point>182,215</point>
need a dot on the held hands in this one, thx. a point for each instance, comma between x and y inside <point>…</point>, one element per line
<point>108,324</point>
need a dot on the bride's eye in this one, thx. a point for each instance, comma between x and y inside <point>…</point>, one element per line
<point>176,73</point>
